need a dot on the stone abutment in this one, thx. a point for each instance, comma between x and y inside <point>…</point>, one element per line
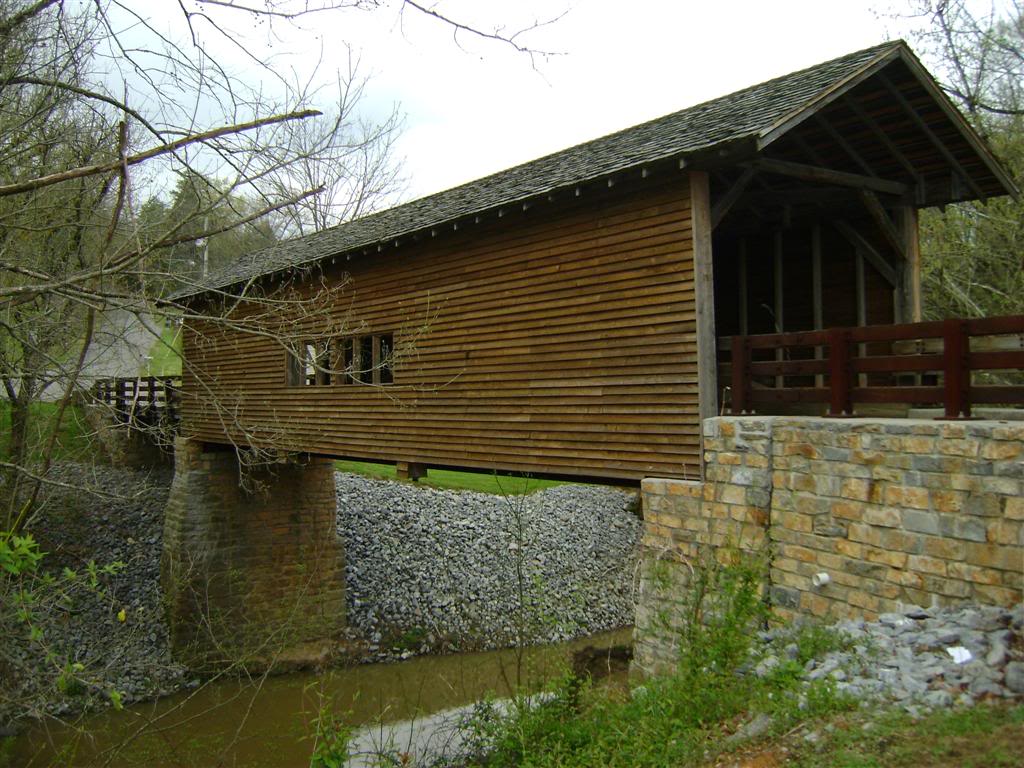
<point>855,517</point>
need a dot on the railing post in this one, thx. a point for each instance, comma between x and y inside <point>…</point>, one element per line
<point>839,372</point>
<point>740,379</point>
<point>121,396</point>
<point>956,369</point>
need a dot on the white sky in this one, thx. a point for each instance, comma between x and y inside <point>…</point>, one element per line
<point>475,111</point>
<point>474,107</point>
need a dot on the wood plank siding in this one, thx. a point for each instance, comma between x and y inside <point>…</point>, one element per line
<point>556,341</point>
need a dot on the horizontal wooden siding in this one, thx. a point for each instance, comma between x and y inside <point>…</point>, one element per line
<point>556,341</point>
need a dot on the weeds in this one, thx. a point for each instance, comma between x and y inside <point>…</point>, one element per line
<point>686,717</point>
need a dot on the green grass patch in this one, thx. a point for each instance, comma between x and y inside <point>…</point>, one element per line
<point>984,735</point>
<point>484,482</point>
<point>73,441</point>
<point>165,354</point>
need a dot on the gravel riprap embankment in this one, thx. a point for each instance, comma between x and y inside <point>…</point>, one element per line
<point>920,657</point>
<point>114,516</point>
<point>457,569</point>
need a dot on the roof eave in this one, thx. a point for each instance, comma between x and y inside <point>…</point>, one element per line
<point>957,118</point>
<point>729,151</point>
<point>900,50</point>
<point>826,97</point>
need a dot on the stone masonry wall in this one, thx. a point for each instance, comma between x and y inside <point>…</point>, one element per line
<point>894,511</point>
<point>258,576</point>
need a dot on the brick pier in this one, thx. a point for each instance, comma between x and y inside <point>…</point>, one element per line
<point>251,576</point>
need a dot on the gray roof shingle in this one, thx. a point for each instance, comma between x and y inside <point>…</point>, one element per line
<point>751,112</point>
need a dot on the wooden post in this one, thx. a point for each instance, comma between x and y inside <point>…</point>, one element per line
<point>744,290</point>
<point>816,295</point>
<point>778,300</point>
<point>409,470</point>
<point>839,372</point>
<point>862,308</point>
<point>704,300</point>
<point>740,378</point>
<point>910,287</point>
<point>956,369</point>
<point>704,290</point>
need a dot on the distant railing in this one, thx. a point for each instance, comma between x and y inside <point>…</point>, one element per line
<point>145,398</point>
<point>948,363</point>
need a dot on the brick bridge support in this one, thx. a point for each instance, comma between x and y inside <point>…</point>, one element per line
<point>251,577</point>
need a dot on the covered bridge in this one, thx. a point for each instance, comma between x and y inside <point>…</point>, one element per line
<point>562,317</point>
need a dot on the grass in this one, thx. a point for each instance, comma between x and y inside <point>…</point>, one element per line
<point>165,354</point>
<point>484,482</point>
<point>986,735</point>
<point>72,438</point>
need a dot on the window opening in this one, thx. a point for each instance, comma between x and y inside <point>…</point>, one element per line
<point>386,359</point>
<point>364,372</point>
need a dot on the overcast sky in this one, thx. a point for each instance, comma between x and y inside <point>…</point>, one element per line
<point>475,111</point>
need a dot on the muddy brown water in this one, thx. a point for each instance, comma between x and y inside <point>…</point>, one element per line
<point>269,722</point>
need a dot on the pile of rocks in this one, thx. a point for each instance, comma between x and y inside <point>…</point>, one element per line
<point>429,569</point>
<point>931,658</point>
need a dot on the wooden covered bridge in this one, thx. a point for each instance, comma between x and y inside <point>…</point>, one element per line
<point>562,318</point>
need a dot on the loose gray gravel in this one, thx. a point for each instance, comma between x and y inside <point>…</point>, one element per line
<point>920,658</point>
<point>76,527</point>
<point>433,569</point>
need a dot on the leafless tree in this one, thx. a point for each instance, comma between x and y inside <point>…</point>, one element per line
<point>977,51</point>
<point>971,252</point>
<point>103,102</point>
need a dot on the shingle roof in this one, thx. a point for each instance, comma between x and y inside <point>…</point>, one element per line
<point>751,112</point>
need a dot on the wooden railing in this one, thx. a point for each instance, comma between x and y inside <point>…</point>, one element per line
<point>948,363</point>
<point>142,397</point>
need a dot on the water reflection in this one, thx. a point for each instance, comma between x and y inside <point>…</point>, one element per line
<point>268,722</point>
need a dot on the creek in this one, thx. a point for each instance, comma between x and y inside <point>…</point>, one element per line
<point>270,721</point>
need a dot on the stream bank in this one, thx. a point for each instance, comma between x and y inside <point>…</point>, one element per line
<point>427,571</point>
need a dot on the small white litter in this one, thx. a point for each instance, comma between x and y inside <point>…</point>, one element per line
<point>960,654</point>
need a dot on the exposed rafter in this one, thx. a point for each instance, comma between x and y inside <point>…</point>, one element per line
<point>883,138</point>
<point>885,225</point>
<point>837,137</point>
<point>935,140</point>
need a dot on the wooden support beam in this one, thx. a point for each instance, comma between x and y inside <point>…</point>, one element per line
<point>817,295</point>
<point>911,282</point>
<point>744,290</point>
<point>878,261</point>
<point>816,173</point>
<point>731,196</point>
<point>862,308</point>
<point>778,297</point>
<point>704,290</point>
<point>927,131</point>
<point>893,237</point>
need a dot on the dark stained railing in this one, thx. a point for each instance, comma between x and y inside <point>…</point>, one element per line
<point>953,363</point>
<point>141,398</point>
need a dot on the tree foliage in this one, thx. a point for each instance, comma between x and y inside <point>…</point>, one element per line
<point>972,262</point>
